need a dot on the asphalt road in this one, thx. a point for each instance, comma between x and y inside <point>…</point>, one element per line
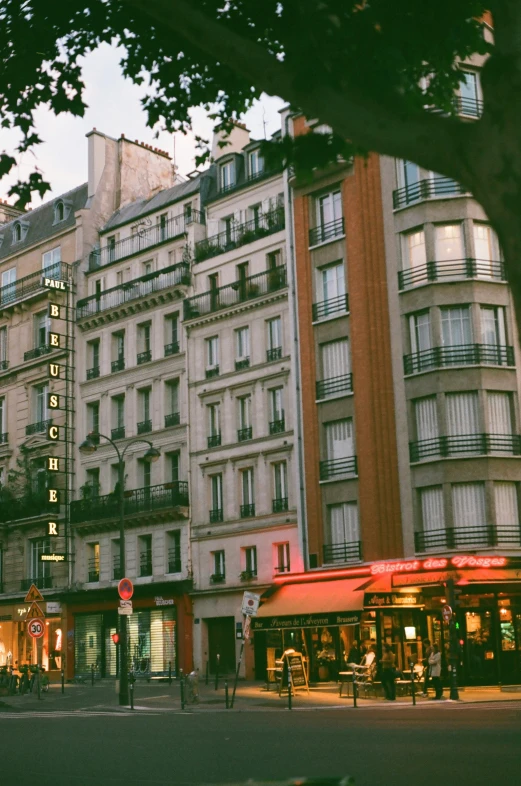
<point>431,746</point>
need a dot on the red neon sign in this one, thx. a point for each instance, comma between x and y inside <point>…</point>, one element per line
<point>438,563</point>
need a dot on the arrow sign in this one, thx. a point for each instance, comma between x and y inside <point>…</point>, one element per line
<point>35,612</point>
<point>33,594</point>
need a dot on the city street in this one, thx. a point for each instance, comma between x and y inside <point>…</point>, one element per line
<point>474,745</point>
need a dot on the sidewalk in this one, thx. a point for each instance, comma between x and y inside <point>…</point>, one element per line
<point>250,696</point>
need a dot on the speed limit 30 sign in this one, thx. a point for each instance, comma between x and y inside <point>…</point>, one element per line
<point>36,628</point>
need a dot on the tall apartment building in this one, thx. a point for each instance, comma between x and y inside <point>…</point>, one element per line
<point>409,374</point>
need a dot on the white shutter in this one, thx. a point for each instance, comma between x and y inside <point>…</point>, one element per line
<point>339,439</point>
<point>335,358</point>
<point>351,525</point>
<point>433,514</point>
<point>499,413</point>
<point>507,511</point>
<point>426,418</point>
<point>343,523</point>
<point>462,413</point>
<point>468,508</point>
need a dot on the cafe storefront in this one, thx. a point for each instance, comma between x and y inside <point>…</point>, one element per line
<point>18,647</point>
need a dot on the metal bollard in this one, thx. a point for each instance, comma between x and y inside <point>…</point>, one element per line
<point>354,688</point>
<point>38,686</point>
<point>289,688</point>
<point>182,688</point>
<point>413,686</point>
<point>226,694</point>
<point>169,672</point>
<point>217,659</point>
<point>92,675</point>
<point>131,692</point>
<point>207,671</point>
<point>63,681</point>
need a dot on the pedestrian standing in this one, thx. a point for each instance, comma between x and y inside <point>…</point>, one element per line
<point>427,650</point>
<point>435,669</point>
<point>354,655</point>
<point>388,673</point>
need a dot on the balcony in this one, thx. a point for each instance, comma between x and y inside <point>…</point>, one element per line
<point>174,561</point>
<point>93,373</point>
<point>247,511</point>
<point>279,504</point>
<point>328,308</point>
<point>41,582</point>
<point>212,372</point>
<point>38,352</point>
<point>171,349</point>
<point>145,565</point>
<point>14,509</point>
<point>333,468</point>
<point>326,232</point>
<point>143,240</point>
<point>465,445</point>
<point>451,270</point>
<point>278,426</point>
<point>144,427</point>
<point>144,357</point>
<point>93,572</point>
<point>214,441</point>
<point>487,536</point>
<point>335,386</point>
<point>115,297</point>
<point>142,500</point>
<point>470,107</point>
<point>240,234</point>
<point>4,365</point>
<point>4,438</point>
<point>216,515</point>
<point>117,365</point>
<point>118,433</point>
<point>116,569</point>
<point>343,552</point>
<point>217,578</point>
<point>249,288</point>
<point>459,355</point>
<point>33,284</point>
<point>248,575</point>
<point>244,434</point>
<point>282,569</point>
<point>38,428</point>
<point>173,419</point>
<point>273,354</point>
<point>429,188</point>
<point>242,363</point>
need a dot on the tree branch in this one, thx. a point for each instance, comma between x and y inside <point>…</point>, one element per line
<point>432,141</point>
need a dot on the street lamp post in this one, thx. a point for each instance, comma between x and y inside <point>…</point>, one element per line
<point>87,447</point>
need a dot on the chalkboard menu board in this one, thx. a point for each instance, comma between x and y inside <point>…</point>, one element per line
<point>295,662</point>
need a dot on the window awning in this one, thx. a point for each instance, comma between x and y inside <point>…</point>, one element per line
<point>312,604</point>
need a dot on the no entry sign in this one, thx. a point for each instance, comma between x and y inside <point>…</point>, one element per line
<point>36,628</point>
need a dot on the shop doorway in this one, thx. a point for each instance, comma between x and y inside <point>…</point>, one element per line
<point>510,643</point>
<point>221,641</point>
<point>480,647</point>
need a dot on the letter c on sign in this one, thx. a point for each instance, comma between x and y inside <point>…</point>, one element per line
<point>53,432</point>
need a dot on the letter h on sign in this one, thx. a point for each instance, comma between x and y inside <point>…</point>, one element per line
<point>53,464</point>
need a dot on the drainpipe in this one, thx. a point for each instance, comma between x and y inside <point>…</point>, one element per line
<point>294,329</point>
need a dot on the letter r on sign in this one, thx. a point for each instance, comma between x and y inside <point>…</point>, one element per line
<point>52,528</point>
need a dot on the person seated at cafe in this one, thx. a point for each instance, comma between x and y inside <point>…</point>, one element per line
<point>354,655</point>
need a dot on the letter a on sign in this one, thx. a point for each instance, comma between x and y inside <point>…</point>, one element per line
<point>33,594</point>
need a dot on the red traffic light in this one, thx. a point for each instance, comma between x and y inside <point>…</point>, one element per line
<point>115,638</point>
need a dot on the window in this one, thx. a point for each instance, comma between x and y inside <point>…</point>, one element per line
<point>118,417</point>
<point>339,439</point>
<point>329,208</point>
<point>144,343</point>
<point>216,492</point>
<point>433,513</point>
<point>212,353</point>
<point>2,420</point>
<point>274,327</point>
<point>282,554</point>
<point>280,486</point>
<point>171,334</point>
<point>40,395</point>
<point>162,221</point>
<point>426,416</point>
<point>507,511</point>
<point>174,462</point>
<point>51,260</point>
<point>173,545</point>
<point>274,259</point>
<point>93,561</point>
<point>145,471</point>
<point>421,343</point>
<point>188,212</point>
<point>408,177</point>
<point>93,359</point>
<point>214,425</point>
<point>493,325</point>
<point>255,163</point>
<point>244,431</point>
<point>17,232</point>
<point>499,407</point>
<point>41,329</point>
<point>335,358</point>
<point>486,249</point>
<point>59,212</point>
<point>469,102</point>
<point>227,172</point>
<point>276,410</point>
<point>38,570</point>
<point>145,555</point>
<point>111,248</point>
<point>38,472</point>
<point>333,287</point>
<point>247,493</point>
<point>8,291</point>
<point>456,326</point>
<point>145,424</point>
<point>3,348</point>
<point>92,482</point>
<point>219,566</point>
<point>255,212</point>
<point>414,253</point>
<point>344,532</point>
<point>118,351</point>
<point>93,417</point>
<point>172,403</point>
<point>469,512</point>
<point>449,243</point>
<point>462,417</point>
<point>249,562</point>
<point>242,347</point>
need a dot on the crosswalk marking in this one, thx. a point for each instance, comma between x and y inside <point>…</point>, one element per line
<point>70,714</point>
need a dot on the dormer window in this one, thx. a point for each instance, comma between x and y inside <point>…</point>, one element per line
<point>17,232</point>
<point>227,175</point>
<point>255,164</point>
<point>59,212</point>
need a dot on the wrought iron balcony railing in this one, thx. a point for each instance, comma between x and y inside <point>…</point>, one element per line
<point>114,297</point>
<point>174,560</point>
<point>282,569</point>
<point>144,357</point>
<point>231,295</point>
<point>93,373</point>
<point>171,349</point>
<point>470,107</point>
<point>279,504</point>
<point>275,353</point>
<point>173,419</point>
<point>38,352</point>
<point>240,234</point>
<point>144,426</point>
<point>41,582</point>
<point>143,240</point>
<point>327,308</point>
<point>459,355</point>
<point>242,363</point>
<point>117,365</point>
<point>145,565</point>
<point>335,385</point>
<point>142,500</point>
<point>487,536</point>
<point>216,515</point>
<point>326,232</point>
<point>450,270</point>
<point>38,428</point>
<point>343,552</point>
<point>16,508</point>
<point>429,188</point>
<point>278,426</point>
<point>465,445</point>
<point>332,468</point>
<point>118,433</point>
<point>247,510</point>
<point>116,569</point>
<point>214,440</point>
<point>33,283</point>
<point>244,434</point>
<point>212,372</point>
<point>93,572</point>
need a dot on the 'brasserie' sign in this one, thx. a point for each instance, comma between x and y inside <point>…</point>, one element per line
<point>306,620</point>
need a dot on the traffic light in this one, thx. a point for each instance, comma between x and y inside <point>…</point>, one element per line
<point>115,638</point>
